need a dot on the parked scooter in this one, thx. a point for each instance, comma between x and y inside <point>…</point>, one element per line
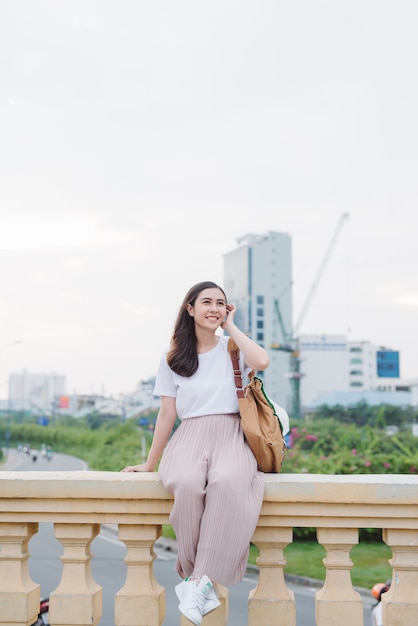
<point>43,616</point>
<point>377,590</point>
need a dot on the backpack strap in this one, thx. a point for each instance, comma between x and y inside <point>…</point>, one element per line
<point>234,354</point>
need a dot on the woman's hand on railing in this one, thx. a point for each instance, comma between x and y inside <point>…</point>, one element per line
<point>141,467</point>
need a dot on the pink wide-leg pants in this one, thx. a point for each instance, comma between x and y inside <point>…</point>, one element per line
<point>218,494</point>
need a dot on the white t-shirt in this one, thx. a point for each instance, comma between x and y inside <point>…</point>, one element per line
<point>210,391</point>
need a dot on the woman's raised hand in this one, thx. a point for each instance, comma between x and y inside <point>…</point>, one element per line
<point>229,318</point>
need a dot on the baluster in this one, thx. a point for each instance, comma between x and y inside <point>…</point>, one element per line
<point>19,595</point>
<point>141,601</point>
<point>271,602</point>
<point>337,602</point>
<point>400,603</point>
<point>77,600</point>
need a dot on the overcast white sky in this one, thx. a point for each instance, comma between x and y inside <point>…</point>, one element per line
<point>140,139</point>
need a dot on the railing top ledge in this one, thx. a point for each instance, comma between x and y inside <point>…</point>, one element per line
<point>345,489</point>
<point>85,484</point>
<point>287,488</point>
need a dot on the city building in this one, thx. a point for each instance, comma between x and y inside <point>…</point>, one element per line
<point>338,371</point>
<point>44,394</point>
<point>324,366</point>
<point>126,406</point>
<point>37,393</point>
<point>372,367</point>
<point>258,280</point>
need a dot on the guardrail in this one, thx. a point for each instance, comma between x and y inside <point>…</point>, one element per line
<point>79,502</point>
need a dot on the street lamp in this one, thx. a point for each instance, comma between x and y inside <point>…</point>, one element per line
<point>7,436</point>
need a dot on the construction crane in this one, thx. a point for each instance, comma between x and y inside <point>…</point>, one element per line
<point>287,345</point>
<point>291,340</point>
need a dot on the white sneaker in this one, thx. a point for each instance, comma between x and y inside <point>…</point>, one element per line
<point>191,601</point>
<point>212,601</point>
<point>196,599</point>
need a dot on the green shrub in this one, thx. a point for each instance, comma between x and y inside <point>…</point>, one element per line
<point>109,447</point>
<point>326,446</point>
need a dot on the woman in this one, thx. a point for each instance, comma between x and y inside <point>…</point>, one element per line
<point>207,465</point>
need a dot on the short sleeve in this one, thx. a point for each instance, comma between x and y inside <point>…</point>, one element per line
<point>164,382</point>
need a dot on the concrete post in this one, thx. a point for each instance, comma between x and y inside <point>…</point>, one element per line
<point>400,603</point>
<point>77,601</point>
<point>337,602</point>
<point>271,603</point>
<point>19,595</point>
<point>141,601</point>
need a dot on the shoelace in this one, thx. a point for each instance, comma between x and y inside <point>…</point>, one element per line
<point>199,597</point>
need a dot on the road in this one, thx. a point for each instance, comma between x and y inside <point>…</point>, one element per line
<point>109,569</point>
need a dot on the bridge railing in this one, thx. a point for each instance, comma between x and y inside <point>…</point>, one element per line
<point>77,503</point>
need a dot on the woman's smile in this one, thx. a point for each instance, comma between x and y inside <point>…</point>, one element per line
<point>209,306</point>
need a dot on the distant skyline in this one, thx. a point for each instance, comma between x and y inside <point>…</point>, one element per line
<point>141,140</point>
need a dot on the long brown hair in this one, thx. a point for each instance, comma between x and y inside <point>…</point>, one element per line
<point>182,356</point>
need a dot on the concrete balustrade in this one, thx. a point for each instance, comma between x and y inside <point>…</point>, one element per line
<point>79,502</point>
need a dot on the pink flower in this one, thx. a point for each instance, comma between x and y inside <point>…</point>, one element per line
<point>354,451</point>
<point>311,438</point>
<point>367,463</point>
<point>386,465</point>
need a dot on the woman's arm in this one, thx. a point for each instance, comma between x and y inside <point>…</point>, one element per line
<point>163,428</point>
<point>255,356</point>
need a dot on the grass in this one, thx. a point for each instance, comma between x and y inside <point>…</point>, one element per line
<point>371,564</point>
<point>304,558</point>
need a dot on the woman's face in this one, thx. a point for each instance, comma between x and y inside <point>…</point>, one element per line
<point>209,309</point>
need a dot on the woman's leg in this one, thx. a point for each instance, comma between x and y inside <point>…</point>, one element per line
<point>183,472</point>
<point>234,495</point>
